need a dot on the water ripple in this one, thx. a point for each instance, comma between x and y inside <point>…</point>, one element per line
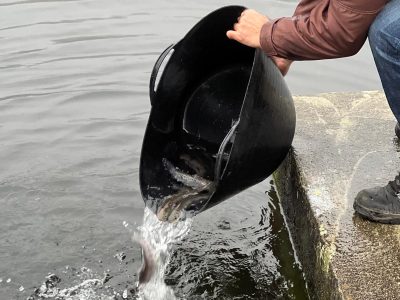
<point>34,2</point>
<point>73,21</point>
<point>26,51</point>
<point>143,54</point>
<point>98,37</point>
<point>30,95</point>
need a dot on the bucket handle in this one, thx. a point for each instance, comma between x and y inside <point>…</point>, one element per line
<point>221,151</point>
<point>156,68</point>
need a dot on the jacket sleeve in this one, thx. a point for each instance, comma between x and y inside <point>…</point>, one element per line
<point>321,29</point>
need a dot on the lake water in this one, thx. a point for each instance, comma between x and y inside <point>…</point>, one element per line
<point>73,107</point>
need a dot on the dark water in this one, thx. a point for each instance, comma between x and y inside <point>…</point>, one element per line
<point>73,107</point>
<point>244,253</point>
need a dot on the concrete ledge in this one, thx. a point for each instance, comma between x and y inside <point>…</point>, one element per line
<point>344,143</point>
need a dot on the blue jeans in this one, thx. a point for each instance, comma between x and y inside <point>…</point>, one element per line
<point>384,39</point>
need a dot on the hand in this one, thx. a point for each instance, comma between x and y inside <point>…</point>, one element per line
<point>283,64</point>
<point>247,30</point>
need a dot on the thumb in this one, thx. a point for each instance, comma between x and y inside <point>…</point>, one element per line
<point>233,35</point>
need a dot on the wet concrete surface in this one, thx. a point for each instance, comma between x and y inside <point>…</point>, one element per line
<point>344,142</point>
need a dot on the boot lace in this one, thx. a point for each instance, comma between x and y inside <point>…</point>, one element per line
<point>395,184</point>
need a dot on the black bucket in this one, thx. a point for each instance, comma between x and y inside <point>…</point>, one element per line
<point>222,119</point>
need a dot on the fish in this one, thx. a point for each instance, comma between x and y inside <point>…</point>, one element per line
<point>193,181</point>
<point>148,268</point>
<point>176,205</point>
<point>195,194</point>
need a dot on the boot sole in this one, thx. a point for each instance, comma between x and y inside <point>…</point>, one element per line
<point>376,216</point>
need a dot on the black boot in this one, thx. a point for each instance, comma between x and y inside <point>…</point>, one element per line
<point>380,204</point>
<point>397,130</point>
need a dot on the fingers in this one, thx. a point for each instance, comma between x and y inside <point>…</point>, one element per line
<point>234,35</point>
<point>242,14</point>
<point>247,12</point>
<point>240,17</point>
<point>247,28</point>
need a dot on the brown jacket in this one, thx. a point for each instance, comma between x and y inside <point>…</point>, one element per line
<point>321,29</point>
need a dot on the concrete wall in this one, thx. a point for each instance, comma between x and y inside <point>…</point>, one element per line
<point>343,143</point>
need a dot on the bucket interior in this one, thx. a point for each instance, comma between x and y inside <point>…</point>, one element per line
<point>199,98</point>
<point>208,115</point>
<point>194,163</point>
<point>215,105</point>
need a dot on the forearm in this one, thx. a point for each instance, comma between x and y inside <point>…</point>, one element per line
<point>327,29</point>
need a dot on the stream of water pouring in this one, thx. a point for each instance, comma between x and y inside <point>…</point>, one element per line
<point>160,236</point>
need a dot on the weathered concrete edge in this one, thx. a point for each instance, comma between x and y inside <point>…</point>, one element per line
<point>313,251</point>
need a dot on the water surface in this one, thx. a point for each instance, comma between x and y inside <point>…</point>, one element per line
<point>73,108</point>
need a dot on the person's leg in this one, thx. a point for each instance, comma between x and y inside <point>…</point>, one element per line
<point>382,204</point>
<point>384,39</point>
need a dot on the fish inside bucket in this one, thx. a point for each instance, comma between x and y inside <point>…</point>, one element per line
<point>222,120</point>
<point>192,195</point>
<point>197,164</point>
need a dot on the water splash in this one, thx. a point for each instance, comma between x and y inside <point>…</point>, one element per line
<point>88,289</point>
<point>160,236</point>
<point>92,286</point>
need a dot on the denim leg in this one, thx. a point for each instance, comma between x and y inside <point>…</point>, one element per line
<point>384,39</point>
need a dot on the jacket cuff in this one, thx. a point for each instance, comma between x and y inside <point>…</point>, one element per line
<point>266,38</point>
